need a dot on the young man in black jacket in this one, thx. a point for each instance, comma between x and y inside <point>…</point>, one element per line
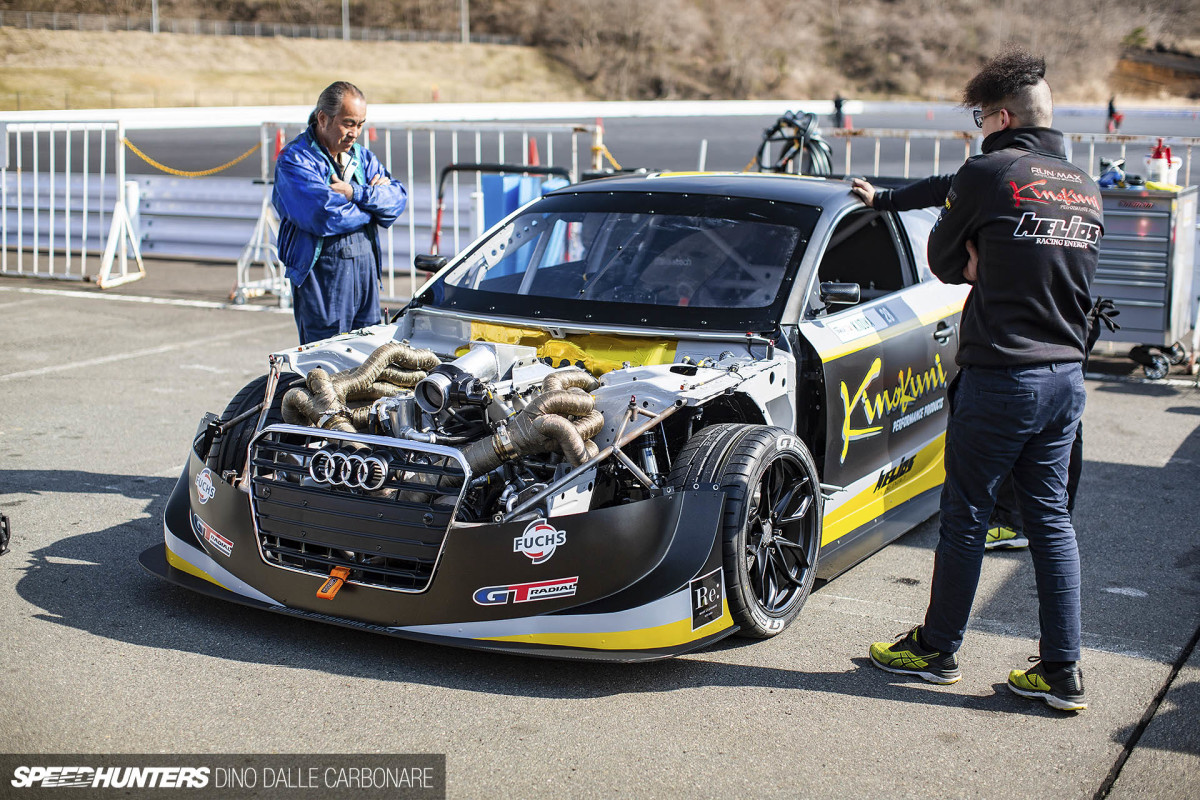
<point>1004,529</point>
<point>1023,225</point>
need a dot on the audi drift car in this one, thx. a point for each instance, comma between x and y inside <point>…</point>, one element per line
<point>638,415</point>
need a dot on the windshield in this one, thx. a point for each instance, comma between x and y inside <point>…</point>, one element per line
<point>691,261</point>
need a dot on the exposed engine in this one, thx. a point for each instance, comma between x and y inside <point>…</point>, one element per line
<point>518,423</point>
<point>536,440</point>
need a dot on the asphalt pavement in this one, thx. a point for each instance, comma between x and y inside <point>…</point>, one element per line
<point>103,391</point>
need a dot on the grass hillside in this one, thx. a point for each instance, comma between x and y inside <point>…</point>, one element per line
<point>604,49</point>
<point>59,69</point>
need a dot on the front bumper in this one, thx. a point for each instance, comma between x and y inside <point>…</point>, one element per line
<point>631,583</point>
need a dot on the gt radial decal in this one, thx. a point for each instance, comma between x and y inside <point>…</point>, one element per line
<point>539,541</point>
<point>909,388</point>
<point>204,530</point>
<point>204,486</point>
<point>525,592</point>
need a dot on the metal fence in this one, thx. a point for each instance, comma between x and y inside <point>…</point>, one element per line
<point>921,151</point>
<point>70,212</point>
<point>58,21</point>
<point>71,200</point>
<point>416,153</point>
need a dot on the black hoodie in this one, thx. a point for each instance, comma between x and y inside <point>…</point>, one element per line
<point>1036,220</point>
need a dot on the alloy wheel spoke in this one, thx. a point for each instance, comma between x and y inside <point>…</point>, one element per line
<point>785,501</point>
<point>805,505</point>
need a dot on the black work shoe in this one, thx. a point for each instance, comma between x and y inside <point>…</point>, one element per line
<point>907,657</point>
<point>1061,688</point>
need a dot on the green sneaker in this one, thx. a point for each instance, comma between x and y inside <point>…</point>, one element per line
<point>1061,689</point>
<point>1002,537</point>
<point>906,656</point>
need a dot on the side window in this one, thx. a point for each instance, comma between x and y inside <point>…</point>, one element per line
<point>864,249</point>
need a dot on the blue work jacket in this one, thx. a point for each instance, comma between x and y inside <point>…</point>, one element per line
<point>309,210</point>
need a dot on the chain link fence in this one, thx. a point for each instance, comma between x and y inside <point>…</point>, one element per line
<point>59,21</point>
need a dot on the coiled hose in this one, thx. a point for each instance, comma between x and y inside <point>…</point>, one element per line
<point>799,132</point>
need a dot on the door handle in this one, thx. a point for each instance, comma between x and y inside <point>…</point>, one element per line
<point>943,332</point>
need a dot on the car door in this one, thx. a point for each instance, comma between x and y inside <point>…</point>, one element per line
<point>887,362</point>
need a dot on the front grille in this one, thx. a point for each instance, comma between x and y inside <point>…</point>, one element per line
<point>380,507</point>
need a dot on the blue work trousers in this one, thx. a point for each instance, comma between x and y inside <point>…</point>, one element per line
<point>341,293</point>
<point>1023,420</point>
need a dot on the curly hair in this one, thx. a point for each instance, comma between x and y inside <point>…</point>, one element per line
<point>1004,76</point>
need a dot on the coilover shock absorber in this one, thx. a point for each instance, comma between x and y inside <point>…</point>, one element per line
<point>648,444</point>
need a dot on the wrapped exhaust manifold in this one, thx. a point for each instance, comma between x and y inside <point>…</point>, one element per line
<point>545,425</point>
<point>322,402</point>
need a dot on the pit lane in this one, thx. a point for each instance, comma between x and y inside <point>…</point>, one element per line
<point>103,394</point>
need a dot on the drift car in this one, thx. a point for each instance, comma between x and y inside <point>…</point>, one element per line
<point>638,415</point>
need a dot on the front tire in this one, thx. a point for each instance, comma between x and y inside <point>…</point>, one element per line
<point>235,441</point>
<point>771,529</point>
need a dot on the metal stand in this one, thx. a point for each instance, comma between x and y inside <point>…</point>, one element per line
<point>260,251</point>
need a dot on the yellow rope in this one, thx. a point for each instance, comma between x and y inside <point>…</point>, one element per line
<point>184,173</point>
<point>603,150</point>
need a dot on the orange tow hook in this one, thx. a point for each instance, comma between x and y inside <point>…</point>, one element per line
<point>330,588</point>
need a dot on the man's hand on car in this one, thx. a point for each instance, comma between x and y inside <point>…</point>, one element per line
<point>864,190</point>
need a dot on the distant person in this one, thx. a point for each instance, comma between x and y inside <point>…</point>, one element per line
<point>1115,118</point>
<point>332,194</point>
<point>839,116</point>
<point>1017,399</point>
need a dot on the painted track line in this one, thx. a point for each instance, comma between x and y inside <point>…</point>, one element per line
<point>160,301</point>
<point>149,351</point>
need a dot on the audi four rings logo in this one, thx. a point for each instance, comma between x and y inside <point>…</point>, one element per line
<point>349,470</point>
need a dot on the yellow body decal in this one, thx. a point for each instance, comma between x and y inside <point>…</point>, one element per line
<point>873,339</point>
<point>599,353</point>
<point>184,566</point>
<point>670,635</point>
<point>928,472</point>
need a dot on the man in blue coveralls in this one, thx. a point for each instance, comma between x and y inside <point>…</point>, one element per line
<point>331,194</point>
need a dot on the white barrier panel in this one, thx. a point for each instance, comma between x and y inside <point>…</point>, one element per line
<point>76,175</point>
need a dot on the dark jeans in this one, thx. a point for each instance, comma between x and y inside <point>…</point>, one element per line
<point>341,293</point>
<point>1008,508</point>
<point>1020,420</point>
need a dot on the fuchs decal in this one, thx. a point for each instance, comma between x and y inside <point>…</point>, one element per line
<point>204,530</point>
<point>539,541</point>
<point>909,388</point>
<point>706,592</point>
<point>204,486</point>
<point>1031,193</point>
<point>1054,231</point>
<point>525,592</point>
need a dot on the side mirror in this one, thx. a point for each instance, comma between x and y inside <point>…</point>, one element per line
<point>429,263</point>
<point>841,294</point>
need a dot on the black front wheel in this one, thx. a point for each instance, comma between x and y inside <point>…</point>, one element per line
<point>772,522</point>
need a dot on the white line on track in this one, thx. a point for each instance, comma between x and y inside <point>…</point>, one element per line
<point>161,301</point>
<point>149,351</point>
<point>1096,376</point>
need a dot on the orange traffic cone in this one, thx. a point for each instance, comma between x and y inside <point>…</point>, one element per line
<point>534,160</point>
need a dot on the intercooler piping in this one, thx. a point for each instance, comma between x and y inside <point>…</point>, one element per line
<point>322,402</point>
